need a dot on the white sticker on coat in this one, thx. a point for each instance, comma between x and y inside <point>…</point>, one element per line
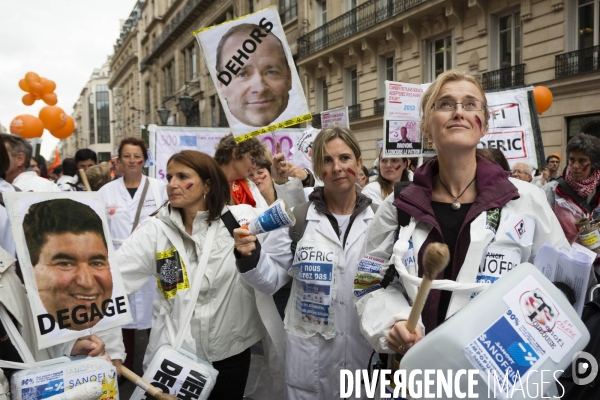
<point>520,228</point>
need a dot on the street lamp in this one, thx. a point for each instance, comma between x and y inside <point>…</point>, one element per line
<point>187,102</point>
<point>163,114</point>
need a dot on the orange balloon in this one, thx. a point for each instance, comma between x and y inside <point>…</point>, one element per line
<point>36,88</point>
<point>32,77</point>
<point>27,126</point>
<point>24,85</point>
<point>53,117</point>
<point>48,85</point>
<point>66,130</point>
<point>50,99</point>
<point>28,99</point>
<point>543,98</point>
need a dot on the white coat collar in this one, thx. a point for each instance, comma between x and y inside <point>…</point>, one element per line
<point>125,193</point>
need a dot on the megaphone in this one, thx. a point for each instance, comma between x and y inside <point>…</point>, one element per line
<point>277,216</point>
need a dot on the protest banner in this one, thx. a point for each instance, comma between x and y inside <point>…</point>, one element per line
<point>253,70</point>
<point>338,115</point>
<point>70,273</point>
<point>512,126</point>
<point>168,140</point>
<point>402,136</point>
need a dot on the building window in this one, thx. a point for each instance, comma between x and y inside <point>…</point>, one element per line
<point>353,87</point>
<point>509,39</point>
<point>440,56</point>
<point>321,95</point>
<point>193,118</point>
<point>288,10</point>
<point>251,6</point>
<point>386,72</point>
<point>92,119</point>
<point>148,97</point>
<point>169,80</point>
<point>103,113</point>
<point>588,24</point>
<point>103,156</point>
<point>192,63</point>
<point>589,124</point>
<point>321,12</point>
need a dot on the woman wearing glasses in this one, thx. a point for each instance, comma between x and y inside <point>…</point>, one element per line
<point>575,195</point>
<point>128,200</point>
<point>458,198</point>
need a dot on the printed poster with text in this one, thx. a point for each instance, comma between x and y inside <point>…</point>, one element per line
<point>331,117</point>
<point>402,136</point>
<point>68,263</point>
<point>168,140</point>
<point>251,66</point>
<point>510,127</point>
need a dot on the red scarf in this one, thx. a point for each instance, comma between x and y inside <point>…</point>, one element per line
<point>241,194</point>
<point>584,187</point>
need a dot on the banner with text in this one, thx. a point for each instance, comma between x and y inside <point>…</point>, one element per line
<point>510,128</point>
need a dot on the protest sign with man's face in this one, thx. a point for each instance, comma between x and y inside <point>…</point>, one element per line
<point>253,69</point>
<point>64,253</point>
<point>260,91</point>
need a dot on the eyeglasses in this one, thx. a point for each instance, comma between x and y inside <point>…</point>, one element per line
<point>450,105</point>
<point>519,172</point>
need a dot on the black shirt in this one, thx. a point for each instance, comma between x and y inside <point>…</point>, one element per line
<point>132,191</point>
<point>450,222</point>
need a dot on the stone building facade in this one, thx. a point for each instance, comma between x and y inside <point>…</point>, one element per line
<point>345,50</point>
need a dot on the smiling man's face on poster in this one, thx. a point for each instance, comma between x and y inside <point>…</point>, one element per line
<point>69,255</point>
<point>258,88</point>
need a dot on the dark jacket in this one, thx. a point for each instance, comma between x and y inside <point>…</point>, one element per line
<point>495,190</point>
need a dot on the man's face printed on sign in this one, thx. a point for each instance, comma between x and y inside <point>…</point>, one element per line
<point>254,76</point>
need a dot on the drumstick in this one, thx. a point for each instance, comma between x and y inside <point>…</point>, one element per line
<point>84,180</point>
<point>145,386</point>
<point>435,260</point>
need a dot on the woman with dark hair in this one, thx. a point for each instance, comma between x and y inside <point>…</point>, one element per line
<point>363,177</point>
<point>391,170</point>
<point>167,250</point>
<point>458,198</point>
<point>6,238</point>
<point>38,164</point>
<point>237,160</point>
<point>322,335</point>
<point>576,194</point>
<point>128,200</point>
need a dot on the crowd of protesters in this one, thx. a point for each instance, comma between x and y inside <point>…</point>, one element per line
<point>252,287</point>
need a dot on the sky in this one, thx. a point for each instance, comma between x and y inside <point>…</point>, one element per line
<point>62,40</point>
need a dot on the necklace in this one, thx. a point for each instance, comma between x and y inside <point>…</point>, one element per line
<point>455,204</point>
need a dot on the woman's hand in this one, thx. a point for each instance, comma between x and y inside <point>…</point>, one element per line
<point>244,242</point>
<point>401,340</point>
<point>280,168</point>
<point>90,346</point>
<point>297,172</point>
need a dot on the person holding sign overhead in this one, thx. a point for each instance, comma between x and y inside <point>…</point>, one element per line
<point>253,73</point>
<point>458,198</point>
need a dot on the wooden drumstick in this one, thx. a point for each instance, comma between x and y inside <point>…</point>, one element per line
<point>145,386</point>
<point>435,260</point>
<point>84,180</point>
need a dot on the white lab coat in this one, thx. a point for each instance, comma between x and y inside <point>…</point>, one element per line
<point>6,238</point>
<point>227,319</point>
<point>313,363</point>
<point>29,181</point>
<point>380,308</point>
<point>373,191</point>
<point>120,212</point>
<point>67,183</point>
